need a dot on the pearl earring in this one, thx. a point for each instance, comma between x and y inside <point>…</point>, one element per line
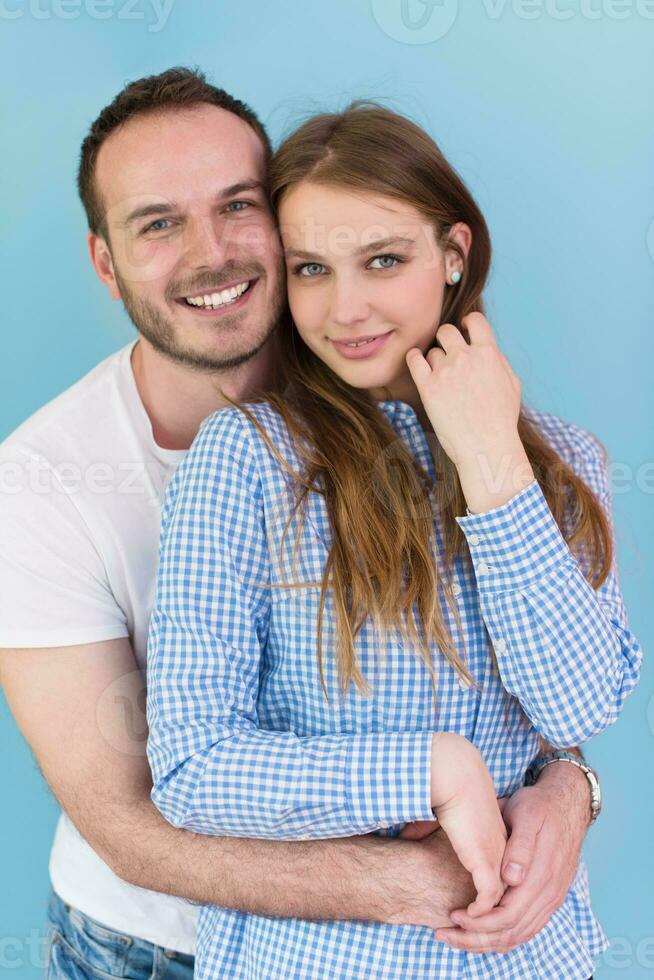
<point>455,277</point>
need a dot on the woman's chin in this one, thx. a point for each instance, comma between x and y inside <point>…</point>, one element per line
<point>368,377</point>
<point>378,388</point>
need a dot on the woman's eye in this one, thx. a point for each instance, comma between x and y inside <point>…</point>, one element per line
<point>160,224</point>
<point>385,261</point>
<point>309,270</point>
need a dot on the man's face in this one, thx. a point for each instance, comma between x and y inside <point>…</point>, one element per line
<point>194,249</point>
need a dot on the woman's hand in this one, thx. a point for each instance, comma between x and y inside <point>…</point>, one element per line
<point>469,391</point>
<point>464,797</point>
<point>547,824</point>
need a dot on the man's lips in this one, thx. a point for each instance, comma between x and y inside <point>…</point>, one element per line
<point>207,291</point>
<point>213,302</point>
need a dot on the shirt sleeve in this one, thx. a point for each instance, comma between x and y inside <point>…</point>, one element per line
<point>563,649</point>
<point>214,770</point>
<point>54,589</point>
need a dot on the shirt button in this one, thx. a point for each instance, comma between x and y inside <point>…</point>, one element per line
<point>482,568</point>
<point>473,539</point>
<point>456,589</point>
<point>500,646</point>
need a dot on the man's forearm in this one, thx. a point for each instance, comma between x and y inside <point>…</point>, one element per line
<point>572,785</point>
<point>91,753</point>
<point>367,878</point>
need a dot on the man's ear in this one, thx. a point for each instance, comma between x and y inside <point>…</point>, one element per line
<point>103,263</point>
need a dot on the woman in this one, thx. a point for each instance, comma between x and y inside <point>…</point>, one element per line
<point>390,578</point>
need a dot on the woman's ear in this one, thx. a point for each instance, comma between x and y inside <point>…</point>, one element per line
<point>461,234</point>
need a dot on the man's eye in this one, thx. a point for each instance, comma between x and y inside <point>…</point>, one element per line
<point>237,206</point>
<point>309,270</point>
<point>159,225</point>
<point>385,261</point>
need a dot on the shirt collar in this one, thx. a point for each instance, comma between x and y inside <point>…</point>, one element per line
<point>399,412</point>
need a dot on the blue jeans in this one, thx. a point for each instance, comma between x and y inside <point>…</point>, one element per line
<point>83,949</point>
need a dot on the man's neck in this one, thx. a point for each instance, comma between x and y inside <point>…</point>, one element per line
<point>177,397</point>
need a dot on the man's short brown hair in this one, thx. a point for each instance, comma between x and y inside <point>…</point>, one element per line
<point>176,88</point>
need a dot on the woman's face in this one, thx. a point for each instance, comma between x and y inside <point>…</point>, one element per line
<point>363,267</point>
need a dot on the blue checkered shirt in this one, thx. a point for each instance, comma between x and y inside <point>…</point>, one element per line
<point>243,741</point>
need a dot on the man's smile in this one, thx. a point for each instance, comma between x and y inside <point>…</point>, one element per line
<point>212,302</point>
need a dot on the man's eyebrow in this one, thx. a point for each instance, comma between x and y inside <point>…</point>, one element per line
<point>167,207</point>
<point>243,185</point>
<point>148,210</point>
<point>376,246</point>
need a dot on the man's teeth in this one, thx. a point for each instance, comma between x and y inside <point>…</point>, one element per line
<point>213,300</point>
<point>362,343</point>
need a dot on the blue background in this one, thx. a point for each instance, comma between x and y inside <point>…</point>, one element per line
<point>543,108</point>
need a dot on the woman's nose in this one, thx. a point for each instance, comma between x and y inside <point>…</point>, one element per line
<point>349,304</point>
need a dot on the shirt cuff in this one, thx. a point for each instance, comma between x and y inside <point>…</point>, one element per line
<point>389,778</point>
<point>514,545</point>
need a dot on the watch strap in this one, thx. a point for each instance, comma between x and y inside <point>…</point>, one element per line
<point>561,755</point>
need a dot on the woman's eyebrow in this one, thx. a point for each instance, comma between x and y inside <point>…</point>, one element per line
<point>375,246</point>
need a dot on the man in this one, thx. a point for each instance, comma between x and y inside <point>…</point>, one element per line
<point>173,180</point>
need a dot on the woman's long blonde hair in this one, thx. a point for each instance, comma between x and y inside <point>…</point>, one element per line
<point>382,564</point>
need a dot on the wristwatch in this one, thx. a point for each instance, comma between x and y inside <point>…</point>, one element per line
<point>560,755</point>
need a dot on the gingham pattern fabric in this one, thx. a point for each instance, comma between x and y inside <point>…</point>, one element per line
<point>243,741</point>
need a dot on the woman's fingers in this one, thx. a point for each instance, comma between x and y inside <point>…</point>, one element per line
<point>499,917</point>
<point>490,889</point>
<point>418,367</point>
<point>479,329</point>
<point>434,355</point>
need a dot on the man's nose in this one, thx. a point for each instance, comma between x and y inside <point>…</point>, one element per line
<point>349,304</point>
<point>205,243</point>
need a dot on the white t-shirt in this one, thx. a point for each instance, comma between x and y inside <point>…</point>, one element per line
<point>81,488</point>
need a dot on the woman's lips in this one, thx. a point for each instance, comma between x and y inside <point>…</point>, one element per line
<point>366,350</point>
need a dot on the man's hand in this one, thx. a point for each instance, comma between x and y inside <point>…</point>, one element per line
<point>547,824</point>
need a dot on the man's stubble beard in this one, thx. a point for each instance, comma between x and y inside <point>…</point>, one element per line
<point>159,331</point>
